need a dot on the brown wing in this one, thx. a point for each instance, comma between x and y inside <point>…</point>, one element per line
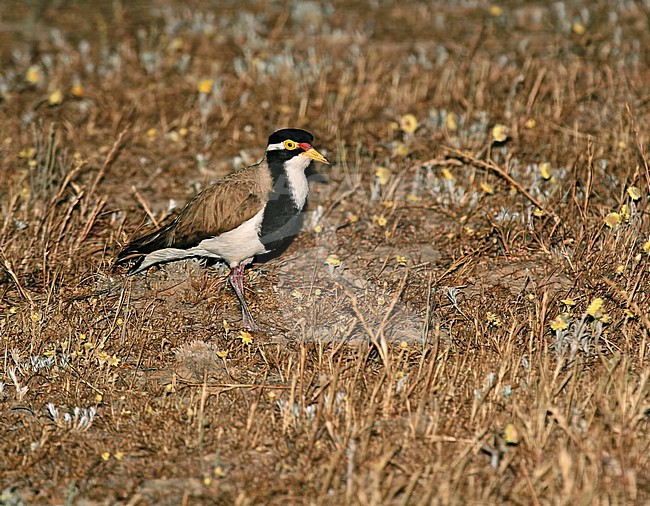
<point>221,207</point>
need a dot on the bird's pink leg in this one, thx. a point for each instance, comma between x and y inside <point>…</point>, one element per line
<point>237,281</point>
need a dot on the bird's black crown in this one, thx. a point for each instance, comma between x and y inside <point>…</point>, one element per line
<point>294,134</point>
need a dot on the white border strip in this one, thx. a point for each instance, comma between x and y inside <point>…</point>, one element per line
<point>275,147</point>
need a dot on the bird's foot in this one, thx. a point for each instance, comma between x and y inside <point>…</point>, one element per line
<point>250,324</point>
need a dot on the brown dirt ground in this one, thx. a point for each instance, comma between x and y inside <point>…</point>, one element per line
<point>463,320</point>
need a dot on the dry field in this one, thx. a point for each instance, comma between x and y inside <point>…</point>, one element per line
<point>463,320</point>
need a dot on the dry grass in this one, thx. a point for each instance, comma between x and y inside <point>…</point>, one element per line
<point>463,320</point>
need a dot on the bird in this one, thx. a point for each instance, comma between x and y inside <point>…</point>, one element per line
<point>248,213</point>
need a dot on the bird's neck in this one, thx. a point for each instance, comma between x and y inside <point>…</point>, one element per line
<point>283,214</point>
<point>289,182</point>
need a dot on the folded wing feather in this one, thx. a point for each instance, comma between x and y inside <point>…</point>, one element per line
<point>220,208</point>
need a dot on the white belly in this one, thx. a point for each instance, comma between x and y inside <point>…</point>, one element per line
<point>237,246</point>
<point>234,247</point>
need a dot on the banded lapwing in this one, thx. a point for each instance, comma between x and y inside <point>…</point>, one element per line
<point>247,213</point>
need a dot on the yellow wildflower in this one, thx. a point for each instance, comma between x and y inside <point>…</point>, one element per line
<point>205,85</point>
<point>401,149</point>
<point>500,132</point>
<point>55,98</point>
<point>546,171</point>
<point>33,74</point>
<point>613,220</point>
<point>446,173</point>
<point>176,44</point>
<point>495,11</point>
<point>634,192</point>
<point>578,28</point>
<point>77,91</point>
<point>625,212</point>
<point>383,175</point>
<point>408,123</point>
<point>451,121</point>
<point>511,434</point>
<point>333,260</point>
<point>594,308</point>
<point>559,323</point>
<point>487,188</point>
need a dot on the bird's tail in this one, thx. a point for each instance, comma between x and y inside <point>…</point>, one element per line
<point>137,250</point>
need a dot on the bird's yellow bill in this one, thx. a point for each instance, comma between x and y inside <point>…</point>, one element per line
<point>315,155</point>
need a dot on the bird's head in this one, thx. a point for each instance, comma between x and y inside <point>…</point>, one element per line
<point>292,145</point>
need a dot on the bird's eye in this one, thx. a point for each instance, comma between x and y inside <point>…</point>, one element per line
<point>289,145</point>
